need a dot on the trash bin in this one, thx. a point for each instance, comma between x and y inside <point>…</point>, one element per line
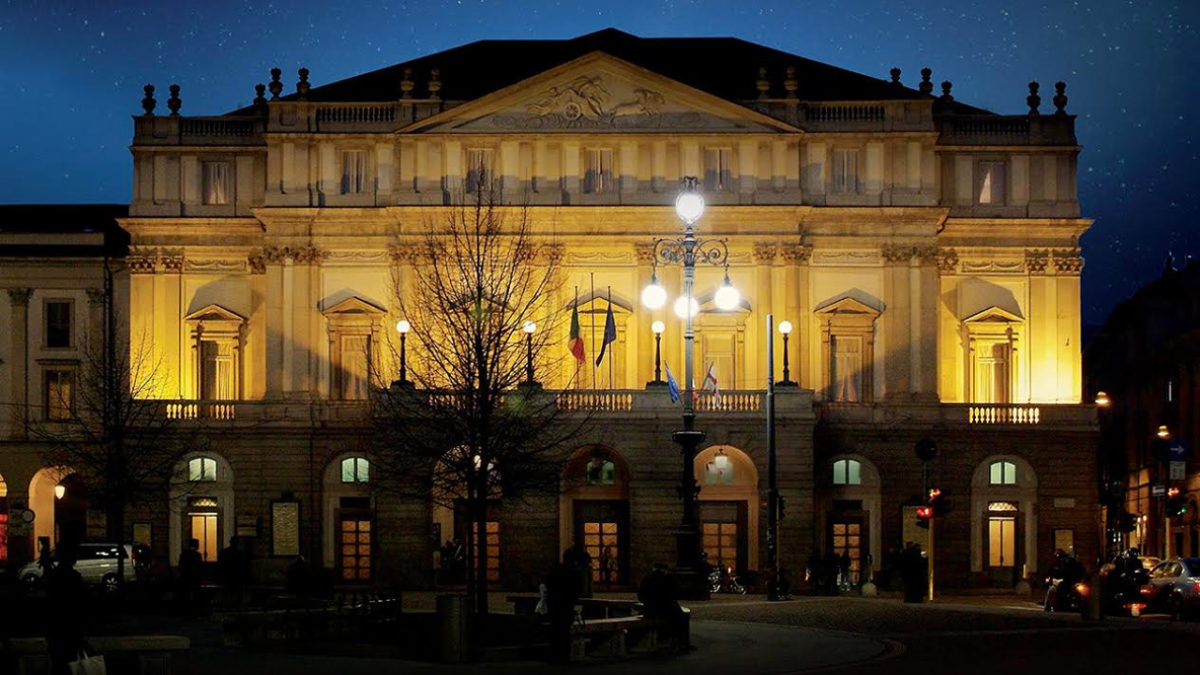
<point>452,617</point>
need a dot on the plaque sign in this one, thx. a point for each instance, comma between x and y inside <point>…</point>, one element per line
<point>285,528</point>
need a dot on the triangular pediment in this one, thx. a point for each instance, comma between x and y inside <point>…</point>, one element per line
<point>994,314</point>
<point>354,305</point>
<point>847,306</point>
<point>595,93</point>
<point>213,313</point>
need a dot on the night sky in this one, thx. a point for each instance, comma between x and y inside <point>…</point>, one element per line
<point>71,75</point>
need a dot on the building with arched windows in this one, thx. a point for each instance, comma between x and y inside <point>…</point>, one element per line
<point>925,251</point>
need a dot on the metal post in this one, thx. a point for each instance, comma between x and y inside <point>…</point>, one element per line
<point>772,487</point>
<point>403,366</point>
<point>658,357</point>
<point>926,471</point>
<point>687,536</point>
<point>787,375</point>
<point>529,358</point>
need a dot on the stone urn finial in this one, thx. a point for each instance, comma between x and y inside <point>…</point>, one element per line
<point>148,102</point>
<point>174,103</point>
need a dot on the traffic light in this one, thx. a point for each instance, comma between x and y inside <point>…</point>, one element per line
<point>924,515</point>
<point>1176,503</point>
<point>936,498</point>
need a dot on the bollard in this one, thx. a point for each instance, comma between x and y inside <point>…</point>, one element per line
<point>452,617</point>
<point>1093,610</point>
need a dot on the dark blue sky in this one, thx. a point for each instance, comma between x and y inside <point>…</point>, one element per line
<point>71,74</point>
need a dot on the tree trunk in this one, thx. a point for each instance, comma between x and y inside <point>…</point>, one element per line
<point>115,531</point>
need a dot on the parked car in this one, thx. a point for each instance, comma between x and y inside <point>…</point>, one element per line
<point>96,562</point>
<point>1174,588</point>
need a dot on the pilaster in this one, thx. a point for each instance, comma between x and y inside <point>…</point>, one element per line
<point>19,386</point>
<point>896,321</point>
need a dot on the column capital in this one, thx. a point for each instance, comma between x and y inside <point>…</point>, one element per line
<point>644,253</point>
<point>19,297</point>
<point>797,254</point>
<point>764,252</point>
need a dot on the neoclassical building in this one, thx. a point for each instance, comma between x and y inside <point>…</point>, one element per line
<point>925,251</point>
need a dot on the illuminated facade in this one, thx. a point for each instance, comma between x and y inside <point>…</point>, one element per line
<point>926,252</point>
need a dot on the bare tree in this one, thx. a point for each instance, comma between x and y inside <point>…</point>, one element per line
<point>106,428</point>
<point>476,425</point>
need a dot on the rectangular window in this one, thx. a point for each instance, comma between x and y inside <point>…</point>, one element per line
<point>356,549</point>
<point>479,169</point>
<point>491,546</point>
<point>599,176</point>
<point>1064,540</point>
<point>992,377</point>
<point>217,378</point>
<point>1002,543</point>
<point>846,368</point>
<point>204,530</point>
<point>718,169</point>
<point>356,353</point>
<point>59,395</point>
<point>354,172</point>
<point>845,171</point>
<point>216,178</point>
<point>991,183</point>
<point>58,323</point>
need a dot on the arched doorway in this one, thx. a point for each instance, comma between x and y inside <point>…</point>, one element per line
<point>201,505</point>
<point>594,512</point>
<point>453,520</point>
<point>43,503</point>
<point>728,507</point>
<point>348,534</point>
<point>851,513</point>
<point>1004,520</point>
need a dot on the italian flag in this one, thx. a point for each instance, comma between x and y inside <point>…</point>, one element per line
<point>574,342</point>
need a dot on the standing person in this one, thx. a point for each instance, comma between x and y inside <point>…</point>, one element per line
<point>190,562</point>
<point>813,573</point>
<point>606,567</point>
<point>232,564</point>
<point>562,590</point>
<point>68,604</point>
<point>831,564</point>
<point>45,557</point>
<point>844,567</point>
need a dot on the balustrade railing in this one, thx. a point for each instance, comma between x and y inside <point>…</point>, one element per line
<point>595,401</point>
<point>355,113</point>
<point>217,126</point>
<point>1003,414</point>
<point>200,410</point>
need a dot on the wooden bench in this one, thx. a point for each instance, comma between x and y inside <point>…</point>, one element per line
<point>126,654</point>
<point>590,608</point>
<point>617,636</point>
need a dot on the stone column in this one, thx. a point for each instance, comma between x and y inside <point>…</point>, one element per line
<point>643,317</point>
<point>19,386</point>
<point>764,261</point>
<point>798,309</point>
<point>897,331</point>
<point>95,335</point>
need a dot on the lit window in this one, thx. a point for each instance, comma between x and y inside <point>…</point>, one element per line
<point>601,472</point>
<point>599,176</point>
<point>991,183</point>
<point>845,171</point>
<point>215,177</point>
<point>354,172</point>
<point>847,472</point>
<point>718,169</point>
<point>59,395</point>
<point>1002,473</point>
<point>356,470</point>
<point>202,470</point>
<point>479,169</point>
<point>58,323</point>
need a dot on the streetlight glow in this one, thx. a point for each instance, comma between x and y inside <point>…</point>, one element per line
<point>529,327</point>
<point>658,327</point>
<point>689,206</point>
<point>60,491</point>
<point>1102,399</point>
<point>681,307</point>
<point>654,296</point>
<point>727,297</point>
<point>403,326</point>
<point>785,327</point>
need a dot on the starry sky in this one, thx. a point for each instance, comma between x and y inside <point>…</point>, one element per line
<point>71,75</point>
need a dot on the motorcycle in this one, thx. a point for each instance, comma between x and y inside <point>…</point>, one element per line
<point>1061,597</point>
<point>722,580</point>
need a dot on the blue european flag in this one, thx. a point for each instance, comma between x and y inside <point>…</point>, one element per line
<point>672,385</point>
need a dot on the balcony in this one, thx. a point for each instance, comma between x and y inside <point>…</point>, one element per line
<point>1006,130</point>
<point>1003,415</point>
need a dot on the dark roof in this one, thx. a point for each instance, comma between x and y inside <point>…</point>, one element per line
<point>64,219</point>
<point>723,67</point>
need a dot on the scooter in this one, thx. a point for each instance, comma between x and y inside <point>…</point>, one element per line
<point>1062,597</point>
<point>724,581</point>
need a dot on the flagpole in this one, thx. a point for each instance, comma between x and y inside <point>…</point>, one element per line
<point>592,300</point>
<point>610,356</point>
<point>577,361</point>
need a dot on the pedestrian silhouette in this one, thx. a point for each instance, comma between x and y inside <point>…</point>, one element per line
<point>68,604</point>
<point>562,591</point>
<point>659,595</point>
<point>190,562</point>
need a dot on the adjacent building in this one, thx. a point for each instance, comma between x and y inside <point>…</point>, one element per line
<point>925,251</point>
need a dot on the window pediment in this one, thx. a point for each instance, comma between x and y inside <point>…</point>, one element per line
<point>847,308</point>
<point>352,306</point>
<point>215,321</point>
<point>994,314</point>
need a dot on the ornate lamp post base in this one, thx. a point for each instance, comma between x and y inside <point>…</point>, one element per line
<point>689,575</point>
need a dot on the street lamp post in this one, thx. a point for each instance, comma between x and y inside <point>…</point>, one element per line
<point>402,327</point>
<point>657,328</point>
<point>687,251</point>
<point>529,327</point>
<point>785,329</point>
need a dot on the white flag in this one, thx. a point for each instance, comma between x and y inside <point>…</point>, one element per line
<point>710,383</point>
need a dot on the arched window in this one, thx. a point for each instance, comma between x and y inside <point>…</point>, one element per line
<point>601,471</point>
<point>202,470</point>
<point>1002,473</point>
<point>356,470</point>
<point>847,472</point>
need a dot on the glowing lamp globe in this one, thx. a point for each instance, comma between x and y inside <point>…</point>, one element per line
<point>727,297</point>
<point>654,296</point>
<point>689,206</point>
<point>403,326</point>
<point>681,307</point>
<point>721,461</point>
<point>60,491</point>
<point>529,327</point>
<point>658,327</point>
<point>785,327</point>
